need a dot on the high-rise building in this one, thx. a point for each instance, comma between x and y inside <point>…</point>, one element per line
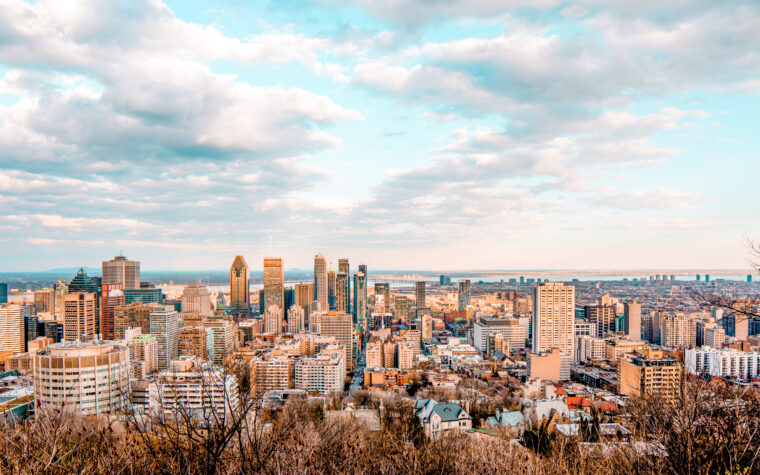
<point>274,284</point>
<point>604,318</point>
<point>632,320</point>
<point>419,293</point>
<point>223,337</point>
<point>509,328</point>
<point>269,374</point>
<point>304,296</point>
<point>89,377</point>
<point>320,282</point>
<point>119,270</point>
<point>675,330</point>
<point>427,326</point>
<point>194,341</point>
<point>296,319</point>
<point>143,295</point>
<point>130,316</point>
<point>12,331</point>
<point>444,280</point>
<point>164,324</point>
<point>360,299</point>
<point>554,322</point>
<point>650,375</point>
<point>383,289</point>
<point>111,297</point>
<point>341,293</point>
<point>322,374</point>
<point>196,299</point>
<point>3,292</point>
<point>80,316</point>
<point>344,268</point>
<point>363,269</point>
<point>82,283</point>
<point>464,294</point>
<point>240,290</point>
<point>401,307</point>
<point>44,301</point>
<point>273,320</point>
<point>331,278</point>
<point>341,327</point>
<point>190,386</point>
<point>143,349</point>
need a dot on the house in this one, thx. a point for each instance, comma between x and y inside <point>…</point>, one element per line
<point>512,421</point>
<point>440,419</point>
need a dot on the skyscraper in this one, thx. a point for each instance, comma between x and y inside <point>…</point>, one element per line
<point>274,285</point>
<point>82,283</point>
<point>360,299</point>
<point>196,299</point>
<point>111,296</point>
<point>344,268</point>
<point>464,294</point>
<point>603,316</point>
<point>240,295</point>
<point>12,328</point>
<point>79,318</point>
<point>341,292</point>
<point>340,326</point>
<point>554,322</point>
<point>384,289</point>
<point>320,282</point>
<point>3,292</point>
<point>164,324</point>
<point>419,291</point>
<point>119,270</point>
<point>304,296</point>
<point>273,319</point>
<point>632,320</point>
<point>331,277</point>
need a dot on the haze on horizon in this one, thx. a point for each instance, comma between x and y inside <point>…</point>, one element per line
<point>400,134</point>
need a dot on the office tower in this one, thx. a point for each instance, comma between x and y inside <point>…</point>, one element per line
<point>143,295</point>
<point>650,327</point>
<point>363,269</point>
<point>44,301</point>
<point>296,319</point>
<point>111,296</point>
<point>427,326</point>
<point>164,324</point>
<point>60,289</point>
<point>322,374</point>
<point>419,293</point>
<point>119,270</point>
<point>12,328</point>
<point>80,316</point>
<point>707,277</point>
<point>31,329</point>
<point>304,296</point>
<point>223,336</point>
<point>554,322</point>
<point>401,307</point>
<point>274,284</point>
<point>344,268</point>
<point>194,341</point>
<point>83,284</point>
<point>272,319</point>
<point>320,282</point>
<point>340,326</point>
<point>384,289</point>
<point>360,300</point>
<point>131,316</point>
<point>196,299</point>
<point>442,280</point>
<point>90,378</point>
<point>3,292</point>
<point>632,320</point>
<point>603,316</point>
<point>240,290</point>
<point>341,293</point>
<point>464,294</point>
<point>651,374</point>
<point>749,277</point>
<point>413,336</point>
<point>331,277</point>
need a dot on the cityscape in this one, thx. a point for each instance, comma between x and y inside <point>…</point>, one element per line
<point>379,237</point>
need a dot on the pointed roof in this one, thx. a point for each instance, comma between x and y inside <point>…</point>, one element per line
<point>239,263</point>
<point>82,283</point>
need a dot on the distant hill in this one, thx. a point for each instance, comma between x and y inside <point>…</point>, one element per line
<point>91,271</point>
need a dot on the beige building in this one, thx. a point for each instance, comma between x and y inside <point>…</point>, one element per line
<point>193,341</point>
<point>554,322</point>
<point>273,372</point>
<point>273,319</point>
<point>374,353</point>
<point>320,282</point>
<point>715,337</point>
<point>44,301</point>
<point>545,366</point>
<point>632,320</point>
<point>119,270</point>
<point>340,326</point>
<point>676,330</point>
<point>240,292</point>
<point>296,320</point>
<point>323,374</point>
<point>406,356</point>
<point>223,338</point>
<point>196,299</point>
<point>12,335</point>
<point>143,355</point>
<point>427,326</point>
<point>304,296</point>
<point>274,284</point>
<point>131,316</point>
<point>652,375</point>
<point>90,378</point>
<point>80,317</point>
<point>617,347</point>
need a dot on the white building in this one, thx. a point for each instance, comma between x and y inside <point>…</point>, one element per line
<point>12,335</point>
<point>164,324</point>
<point>588,348</point>
<point>554,322</point>
<point>190,386</point>
<point>723,363</point>
<point>90,377</point>
<point>509,328</point>
<point>322,374</point>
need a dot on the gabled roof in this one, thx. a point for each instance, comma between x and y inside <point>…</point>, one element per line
<point>448,412</point>
<point>239,263</point>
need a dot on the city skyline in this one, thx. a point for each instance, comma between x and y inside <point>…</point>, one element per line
<point>552,134</point>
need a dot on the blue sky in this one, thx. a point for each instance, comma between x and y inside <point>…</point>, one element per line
<point>405,134</point>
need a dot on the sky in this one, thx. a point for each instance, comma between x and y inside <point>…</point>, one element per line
<point>404,134</point>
